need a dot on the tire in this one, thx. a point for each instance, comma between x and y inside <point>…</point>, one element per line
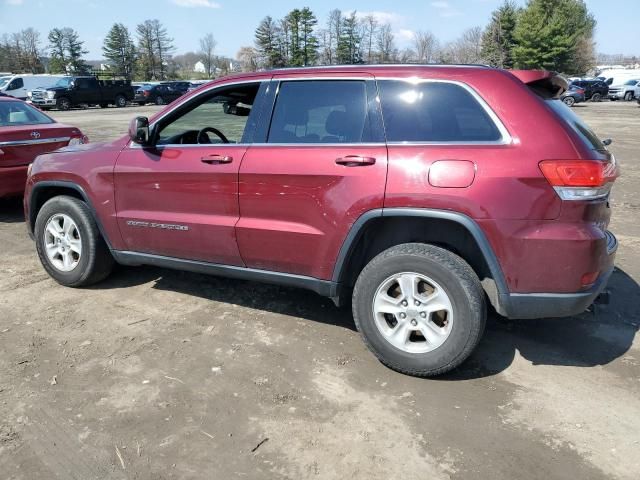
<point>465,298</point>
<point>596,97</point>
<point>121,101</point>
<point>569,101</point>
<point>159,101</point>
<point>142,104</point>
<point>628,96</point>
<point>104,105</point>
<point>93,263</point>
<point>63,103</point>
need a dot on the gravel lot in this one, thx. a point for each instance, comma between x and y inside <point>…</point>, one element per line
<point>157,374</point>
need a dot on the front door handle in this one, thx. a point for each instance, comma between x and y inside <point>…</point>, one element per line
<point>355,161</point>
<point>216,159</point>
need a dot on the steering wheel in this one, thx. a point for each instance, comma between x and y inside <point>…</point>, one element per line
<point>204,138</point>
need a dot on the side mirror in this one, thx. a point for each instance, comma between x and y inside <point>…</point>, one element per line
<point>139,130</point>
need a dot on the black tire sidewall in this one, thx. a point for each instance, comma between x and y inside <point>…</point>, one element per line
<point>159,101</point>
<point>88,238</point>
<point>121,101</point>
<point>468,322</point>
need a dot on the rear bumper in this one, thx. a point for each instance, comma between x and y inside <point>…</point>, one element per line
<point>12,181</point>
<point>550,305</point>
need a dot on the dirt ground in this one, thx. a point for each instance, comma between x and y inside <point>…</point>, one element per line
<point>157,374</point>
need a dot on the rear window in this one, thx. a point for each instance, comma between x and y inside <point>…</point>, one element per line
<point>19,113</point>
<point>434,112</point>
<point>577,124</point>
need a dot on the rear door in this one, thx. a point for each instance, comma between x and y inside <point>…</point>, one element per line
<point>321,163</point>
<point>179,198</point>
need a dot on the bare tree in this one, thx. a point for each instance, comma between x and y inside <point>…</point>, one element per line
<point>334,27</point>
<point>370,30</point>
<point>248,58</point>
<point>426,47</point>
<point>466,49</point>
<point>207,53</point>
<point>386,43</point>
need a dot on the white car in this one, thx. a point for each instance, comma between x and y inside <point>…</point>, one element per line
<point>20,85</point>
<point>626,91</point>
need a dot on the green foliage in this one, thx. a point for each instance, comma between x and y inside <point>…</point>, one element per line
<point>498,39</point>
<point>549,35</point>
<point>348,49</point>
<point>120,50</point>
<point>268,40</point>
<point>303,44</point>
<point>66,52</point>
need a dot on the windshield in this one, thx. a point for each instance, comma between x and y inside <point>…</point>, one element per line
<point>64,82</point>
<point>4,81</point>
<point>577,124</point>
<point>20,113</point>
<point>631,82</point>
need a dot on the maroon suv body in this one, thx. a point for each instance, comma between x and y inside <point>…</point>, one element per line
<point>331,178</point>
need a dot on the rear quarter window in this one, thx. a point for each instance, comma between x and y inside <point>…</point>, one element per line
<point>434,112</point>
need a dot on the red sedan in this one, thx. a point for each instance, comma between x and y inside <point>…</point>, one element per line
<point>25,133</point>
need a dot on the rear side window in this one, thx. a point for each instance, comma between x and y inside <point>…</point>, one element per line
<point>576,124</point>
<point>434,112</point>
<point>322,111</point>
<point>19,113</point>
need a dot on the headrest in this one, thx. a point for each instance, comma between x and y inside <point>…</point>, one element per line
<point>337,123</point>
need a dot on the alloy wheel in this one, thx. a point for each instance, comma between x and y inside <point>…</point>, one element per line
<point>62,242</point>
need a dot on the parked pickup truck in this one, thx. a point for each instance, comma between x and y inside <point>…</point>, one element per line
<point>83,90</point>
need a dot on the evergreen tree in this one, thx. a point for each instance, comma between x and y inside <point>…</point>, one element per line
<point>348,50</point>
<point>269,43</point>
<point>147,60</point>
<point>119,49</point>
<point>75,51</point>
<point>549,34</point>
<point>303,48</point>
<point>498,38</point>
<point>58,54</point>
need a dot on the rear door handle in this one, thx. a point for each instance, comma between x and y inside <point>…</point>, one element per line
<point>216,159</point>
<point>355,161</point>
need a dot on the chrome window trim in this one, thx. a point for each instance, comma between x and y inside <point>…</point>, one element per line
<point>506,138</point>
<point>38,141</point>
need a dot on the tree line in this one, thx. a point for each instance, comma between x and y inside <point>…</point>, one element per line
<point>551,34</point>
<point>148,54</point>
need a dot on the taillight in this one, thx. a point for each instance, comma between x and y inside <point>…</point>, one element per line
<point>145,93</point>
<point>580,179</point>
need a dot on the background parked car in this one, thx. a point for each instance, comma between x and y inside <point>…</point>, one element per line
<point>83,90</point>
<point>573,95</point>
<point>181,86</point>
<point>25,133</point>
<point>158,94</point>
<point>626,91</point>
<point>19,86</point>
<point>594,90</point>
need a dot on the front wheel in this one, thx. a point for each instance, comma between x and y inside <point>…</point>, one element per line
<point>569,101</point>
<point>159,101</point>
<point>419,308</point>
<point>628,96</point>
<point>63,103</point>
<point>69,243</point>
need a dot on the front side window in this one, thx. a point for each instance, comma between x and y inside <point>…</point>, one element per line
<point>434,112</point>
<point>321,111</point>
<point>16,83</point>
<point>217,117</point>
<point>19,113</point>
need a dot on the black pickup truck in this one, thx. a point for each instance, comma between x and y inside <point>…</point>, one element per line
<point>83,90</point>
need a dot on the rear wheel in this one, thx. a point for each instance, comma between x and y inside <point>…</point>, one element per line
<point>69,243</point>
<point>419,308</point>
<point>104,105</point>
<point>141,104</point>
<point>569,101</point>
<point>596,97</point>
<point>121,101</point>
<point>628,96</point>
<point>63,103</point>
<point>159,100</point>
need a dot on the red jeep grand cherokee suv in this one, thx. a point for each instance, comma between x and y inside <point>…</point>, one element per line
<point>416,191</point>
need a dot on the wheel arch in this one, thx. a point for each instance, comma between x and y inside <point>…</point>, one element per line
<point>380,229</point>
<point>45,190</point>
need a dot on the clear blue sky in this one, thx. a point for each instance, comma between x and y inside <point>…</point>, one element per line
<point>233,22</point>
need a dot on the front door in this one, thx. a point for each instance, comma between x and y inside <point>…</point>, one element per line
<point>179,197</point>
<point>323,163</point>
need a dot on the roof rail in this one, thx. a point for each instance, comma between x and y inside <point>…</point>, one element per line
<point>383,65</point>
